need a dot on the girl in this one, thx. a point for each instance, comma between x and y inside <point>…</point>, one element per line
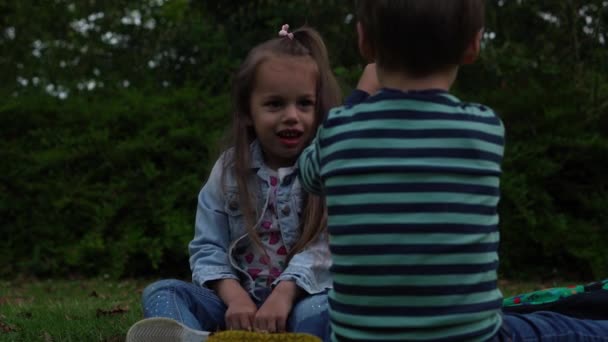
<point>259,257</point>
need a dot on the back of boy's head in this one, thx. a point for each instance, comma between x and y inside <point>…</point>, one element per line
<point>420,37</point>
<point>305,42</point>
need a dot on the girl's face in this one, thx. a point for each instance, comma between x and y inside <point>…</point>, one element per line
<point>283,107</point>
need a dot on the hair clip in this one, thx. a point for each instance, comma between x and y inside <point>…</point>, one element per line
<point>285,32</point>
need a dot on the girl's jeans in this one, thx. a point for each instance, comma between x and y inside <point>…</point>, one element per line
<point>201,309</point>
<point>548,326</point>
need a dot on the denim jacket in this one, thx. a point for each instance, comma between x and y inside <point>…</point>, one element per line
<point>220,227</point>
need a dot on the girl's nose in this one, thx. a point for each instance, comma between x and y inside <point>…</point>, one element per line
<point>291,113</point>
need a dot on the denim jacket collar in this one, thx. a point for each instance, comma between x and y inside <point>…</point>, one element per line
<point>257,157</point>
<point>259,166</point>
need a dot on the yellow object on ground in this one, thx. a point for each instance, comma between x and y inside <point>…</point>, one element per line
<point>246,336</point>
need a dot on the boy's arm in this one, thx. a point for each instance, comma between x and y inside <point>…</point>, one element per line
<point>309,165</point>
<point>368,85</point>
<point>309,160</point>
<point>369,80</point>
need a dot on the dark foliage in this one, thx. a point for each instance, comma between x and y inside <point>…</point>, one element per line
<point>112,113</point>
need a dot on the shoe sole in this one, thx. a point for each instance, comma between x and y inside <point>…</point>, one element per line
<point>159,329</point>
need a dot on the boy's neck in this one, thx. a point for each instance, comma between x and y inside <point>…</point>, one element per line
<point>442,80</point>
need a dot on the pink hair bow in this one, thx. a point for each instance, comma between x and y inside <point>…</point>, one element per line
<point>285,32</point>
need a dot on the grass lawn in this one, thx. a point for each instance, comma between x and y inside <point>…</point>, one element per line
<point>96,309</point>
<point>69,310</point>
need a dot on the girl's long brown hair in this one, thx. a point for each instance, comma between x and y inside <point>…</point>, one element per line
<point>306,42</point>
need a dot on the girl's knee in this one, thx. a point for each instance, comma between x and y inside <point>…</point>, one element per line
<point>161,286</point>
<point>311,316</point>
<point>311,306</point>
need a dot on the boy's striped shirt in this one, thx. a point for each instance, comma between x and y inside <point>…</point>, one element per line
<point>412,186</point>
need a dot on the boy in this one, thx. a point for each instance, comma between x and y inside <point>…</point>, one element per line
<point>411,176</point>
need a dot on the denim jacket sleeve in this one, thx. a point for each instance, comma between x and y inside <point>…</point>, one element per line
<point>209,249</point>
<point>310,268</point>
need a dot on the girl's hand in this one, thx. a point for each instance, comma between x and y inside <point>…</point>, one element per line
<point>241,309</point>
<point>272,315</point>
<point>240,313</point>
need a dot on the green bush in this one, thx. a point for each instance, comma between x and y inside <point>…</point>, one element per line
<point>548,90</point>
<point>90,191</point>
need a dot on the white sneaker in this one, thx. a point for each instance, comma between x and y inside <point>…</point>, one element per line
<point>160,329</point>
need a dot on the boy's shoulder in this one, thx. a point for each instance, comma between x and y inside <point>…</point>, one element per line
<point>392,99</point>
<point>389,105</point>
<point>476,108</point>
<point>357,101</point>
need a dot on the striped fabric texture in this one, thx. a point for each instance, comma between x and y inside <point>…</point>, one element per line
<point>412,186</point>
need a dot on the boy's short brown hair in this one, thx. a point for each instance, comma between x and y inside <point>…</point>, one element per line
<point>420,36</point>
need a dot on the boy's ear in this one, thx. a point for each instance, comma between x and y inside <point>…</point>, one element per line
<point>366,50</point>
<point>472,51</point>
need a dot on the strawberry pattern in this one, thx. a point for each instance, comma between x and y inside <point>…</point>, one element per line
<point>249,257</point>
<point>264,260</point>
<point>254,272</point>
<point>275,272</point>
<point>264,268</point>
<point>274,238</point>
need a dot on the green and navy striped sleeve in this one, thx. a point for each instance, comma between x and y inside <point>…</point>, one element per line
<point>308,168</point>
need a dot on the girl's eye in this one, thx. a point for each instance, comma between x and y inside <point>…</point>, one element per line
<point>306,103</point>
<point>273,104</point>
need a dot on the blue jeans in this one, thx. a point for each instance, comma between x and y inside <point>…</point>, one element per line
<point>201,309</point>
<point>549,326</point>
<point>545,326</point>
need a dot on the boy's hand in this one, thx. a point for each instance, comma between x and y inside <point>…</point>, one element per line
<point>369,80</point>
<point>272,315</point>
